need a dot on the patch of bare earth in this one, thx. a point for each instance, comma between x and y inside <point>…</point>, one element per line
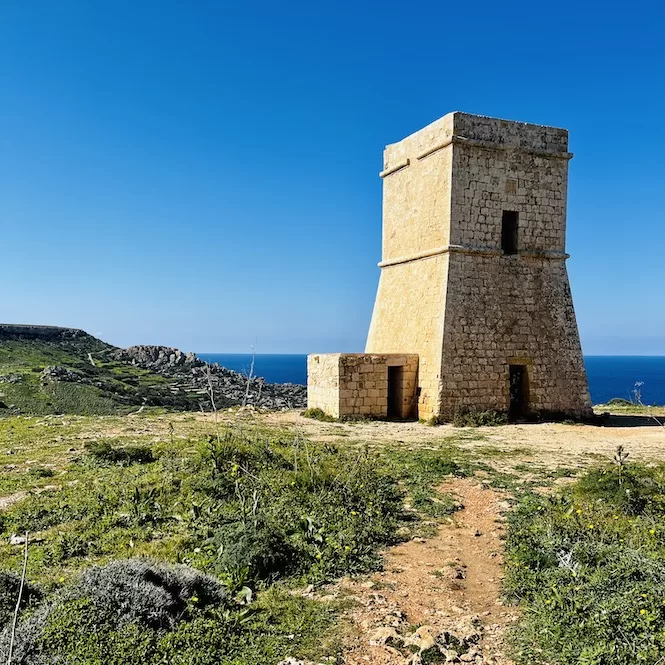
<point>550,444</point>
<point>437,598</point>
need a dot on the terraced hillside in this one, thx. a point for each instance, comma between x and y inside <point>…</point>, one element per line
<point>47,370</point>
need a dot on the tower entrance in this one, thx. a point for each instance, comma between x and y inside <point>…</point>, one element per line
<point>518,407</point>
<point>395,392</point>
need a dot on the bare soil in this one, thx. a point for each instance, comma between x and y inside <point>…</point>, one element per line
<point>549,444</point>
<point>446,585</point>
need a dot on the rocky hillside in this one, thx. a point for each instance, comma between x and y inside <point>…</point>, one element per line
<point>63,370</point>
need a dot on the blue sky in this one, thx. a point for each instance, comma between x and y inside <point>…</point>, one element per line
<point>204,174</point>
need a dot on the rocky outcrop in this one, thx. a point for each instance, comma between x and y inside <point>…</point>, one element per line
<point>58,373</point>
<point>212,383</point>
<point>67,337</point>
<point>157,358</point>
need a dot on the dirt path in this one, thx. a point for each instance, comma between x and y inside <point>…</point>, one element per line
<point>442,591</point>
<point>550,444</point>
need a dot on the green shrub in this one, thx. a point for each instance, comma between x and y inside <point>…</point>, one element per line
<point>632,488</point>
<point>262,551</point>
<point>9,589</point>
<point>41,472</point>
<point>104,452</point>
<point>486,418</point>
<point>128,603</point>
<point>318,414</point>
<point>588,566</point>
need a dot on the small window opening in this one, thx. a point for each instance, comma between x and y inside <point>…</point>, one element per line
<point>509,232</point>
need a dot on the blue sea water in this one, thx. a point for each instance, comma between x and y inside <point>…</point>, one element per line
<point>609,376</point>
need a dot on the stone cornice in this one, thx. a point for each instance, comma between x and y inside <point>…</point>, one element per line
<point>475,250</point>
<point>484,145</point>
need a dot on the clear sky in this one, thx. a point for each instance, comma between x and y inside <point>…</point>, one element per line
<point>205,174</point>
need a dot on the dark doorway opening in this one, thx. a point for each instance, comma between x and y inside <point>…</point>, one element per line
<point>509,232</point>
<point>395,392</point>
<point>519,393</point>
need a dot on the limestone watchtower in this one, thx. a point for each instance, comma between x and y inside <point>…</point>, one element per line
<point>473,275</point>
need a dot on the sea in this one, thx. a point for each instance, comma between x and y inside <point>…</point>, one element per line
<point>609,376</point>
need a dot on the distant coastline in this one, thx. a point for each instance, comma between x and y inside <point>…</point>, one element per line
<point>609,376</point>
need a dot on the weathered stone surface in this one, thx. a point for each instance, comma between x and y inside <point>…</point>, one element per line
<point>450,294</point>
<point>356,384</point>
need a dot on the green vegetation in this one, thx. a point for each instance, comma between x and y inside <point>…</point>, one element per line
<point>108,387</point>
<point>472,418</point>
<point>257,510</point>
<point>252,509</point>
<point>318,414</point>
<point>242,518</point>
<point>139,611</point>
<point>421,470</point>
<point>588,566</point>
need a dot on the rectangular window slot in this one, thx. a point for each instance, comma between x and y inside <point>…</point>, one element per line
<point>509,231</point>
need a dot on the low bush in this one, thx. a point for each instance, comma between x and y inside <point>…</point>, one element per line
<point>588,566</point>
<point>127,606</point>
<point>104,452</point>
<point>487,418</point>
<point>10,585</point>
<point>620,401</point>
<point>318,414</point>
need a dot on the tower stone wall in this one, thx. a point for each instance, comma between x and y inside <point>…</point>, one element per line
<point>447,290</point>
<point>473,276</point>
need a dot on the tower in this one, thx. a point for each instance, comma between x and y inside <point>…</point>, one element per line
<point>473,275</point>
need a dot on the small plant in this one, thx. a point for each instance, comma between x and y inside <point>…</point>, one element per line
<point>486,418</point>
<point>318,414</point>
<point>260,551</point>
<point>42,472</point>
<point>620,458</point>
<point>471,418</point>
<point>359,418</point>
<point>104,452</point>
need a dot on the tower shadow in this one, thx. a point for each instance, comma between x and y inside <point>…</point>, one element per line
<point>629,420</point>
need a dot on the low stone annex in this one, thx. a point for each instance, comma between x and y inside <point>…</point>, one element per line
<point>473,310</point>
